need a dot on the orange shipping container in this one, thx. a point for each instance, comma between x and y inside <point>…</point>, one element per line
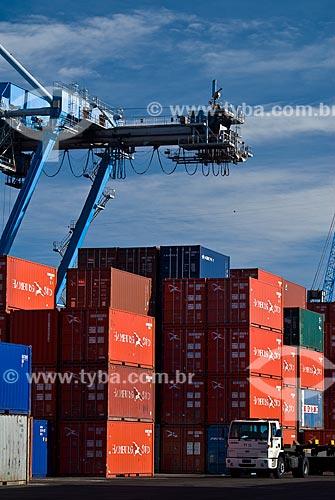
<point>311,369</point>
<point>290,365</point>
<point>107,335</point>
<point>232,350</point>
<point>290,405</point>
<point>107,391</point>
<point>294,295</point>
<point>266,304</point>
<point>259,274</point>
<point>265,398</point>
<point>289,435</point>
<point>105,449</point>
<point>94,288</point>
<point>244,301</point>
<point>25,284</point>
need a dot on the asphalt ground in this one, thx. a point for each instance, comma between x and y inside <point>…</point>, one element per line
<point>174,487</point>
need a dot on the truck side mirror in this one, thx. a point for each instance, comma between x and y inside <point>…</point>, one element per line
<point>278,433</point>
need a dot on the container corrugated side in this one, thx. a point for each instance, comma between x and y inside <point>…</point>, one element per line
<point>260,274</point>
<point>97,257</point>
<point>233,350</point>
<point>26,285</point>
<point>303,328</point>
<point>183,449</point>
<point>217,444</point>
<point>184,301</point>
<point>40,444</point>
<point>110,391</point>
<point>4,327</point>
<point>294,295</point>
<point>244,301</point>
<point>110,448</point>
<point>99,287</point>
<point>40,330</point>
<point>107,335</point>
<point>310,409</point>
<point>192,261</point>
<point>15,370</point>
<point>15,449</point>
<point>237,397</point>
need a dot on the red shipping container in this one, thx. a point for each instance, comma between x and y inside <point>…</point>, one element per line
<point>259,274</point>
<point>294,295</point>
<point>25,284</point>
<point>113,391</point>
<point>184,301</point>
<point>106,449</point>
<point>245,301</point>
<point>145,262</point>
<point>238,397</point>
<point>183,402</point>
<point>239,349</point>
<point>329,411</point>
<point>290,365</point>
<point>324,436</point>
<point>4,327</point>
<point>325,308</point>
<point>290,405</point>
<point>44,392</point>
<point>94,288</point>
<point>182,449</point>
<point>184,349</point>
<point>97,257</point>
<point>108,335</point>
<point>289,435</point>
<point>40,329</point>
<point>329,343</point>
<point>311,369</point>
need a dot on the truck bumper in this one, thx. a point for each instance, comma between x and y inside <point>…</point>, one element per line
<point>253,464</point>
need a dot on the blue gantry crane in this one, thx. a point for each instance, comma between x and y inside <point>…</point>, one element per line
<point>326,292</point>
<point>35,122</point>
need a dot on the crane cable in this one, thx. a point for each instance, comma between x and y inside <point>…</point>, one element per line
<point>323,255</point>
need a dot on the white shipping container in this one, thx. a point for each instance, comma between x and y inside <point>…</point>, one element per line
<point>14,449</point>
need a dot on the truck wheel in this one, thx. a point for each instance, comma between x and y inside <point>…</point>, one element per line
<point>235,473</point>
<point>279,471</point>
<point>303,467</point>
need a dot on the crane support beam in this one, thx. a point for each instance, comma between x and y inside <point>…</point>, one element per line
<point>40,157</point>
<point>85,219</point>
<point>25,74</point>
<point>329,281</point>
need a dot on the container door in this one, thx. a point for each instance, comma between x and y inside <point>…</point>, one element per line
<point>40,448</point>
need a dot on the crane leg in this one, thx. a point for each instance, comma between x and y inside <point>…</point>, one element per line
<point>84,220</point>
<point>41,156</point>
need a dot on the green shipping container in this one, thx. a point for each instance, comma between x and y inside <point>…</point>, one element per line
<point>303,328</point>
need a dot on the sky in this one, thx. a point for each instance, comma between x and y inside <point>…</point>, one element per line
<point>273,211</point>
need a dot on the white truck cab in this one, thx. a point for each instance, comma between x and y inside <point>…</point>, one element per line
<point>254,445</point>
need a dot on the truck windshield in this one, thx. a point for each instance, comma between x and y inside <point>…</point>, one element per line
<point>249,430</point>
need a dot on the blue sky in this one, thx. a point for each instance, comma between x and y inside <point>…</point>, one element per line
<point>274,211</point>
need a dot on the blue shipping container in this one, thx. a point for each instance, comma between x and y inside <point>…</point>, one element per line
<point>217,441</point>
<point>15,373</point>
<point>193,262</point>
<point>310,409</point>
<point>40,443</point>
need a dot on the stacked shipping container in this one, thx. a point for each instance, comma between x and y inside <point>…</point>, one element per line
<point>327,309</point>
<point>303,338</point>
<point>107,361</point>
<point>15,409</point>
